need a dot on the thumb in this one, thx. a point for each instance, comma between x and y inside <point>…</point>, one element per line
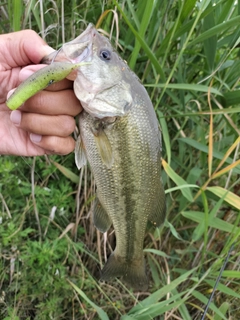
<point>23,48</point>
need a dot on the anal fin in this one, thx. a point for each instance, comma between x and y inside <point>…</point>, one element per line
<point>101,219</point>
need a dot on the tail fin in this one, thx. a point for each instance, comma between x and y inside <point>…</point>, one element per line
<point>132,272</point>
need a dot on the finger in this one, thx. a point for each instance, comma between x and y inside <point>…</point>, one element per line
<point>61,85</point>
<point>60,125</point>
<point>26,47</point>
<point>54,144</point>
<point>53,103</point>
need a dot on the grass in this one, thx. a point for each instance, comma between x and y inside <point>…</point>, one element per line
<point>187,54</point>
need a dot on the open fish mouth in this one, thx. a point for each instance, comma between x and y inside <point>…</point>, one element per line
<point>82,52</point>
<point>78,50</point>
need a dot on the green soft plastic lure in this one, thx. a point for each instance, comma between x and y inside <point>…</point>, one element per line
<point>39,80</point>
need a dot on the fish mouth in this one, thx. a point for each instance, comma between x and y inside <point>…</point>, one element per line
<point>75,51</point>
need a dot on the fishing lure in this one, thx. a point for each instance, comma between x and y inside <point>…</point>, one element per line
<point>39,80</point>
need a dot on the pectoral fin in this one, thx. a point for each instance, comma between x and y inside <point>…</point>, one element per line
<point>157,216</point>
<point>80,156</point>
<point>104,147</point>
<point>101,219</point>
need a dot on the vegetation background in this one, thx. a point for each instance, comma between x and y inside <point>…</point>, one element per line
<point>186,53</point>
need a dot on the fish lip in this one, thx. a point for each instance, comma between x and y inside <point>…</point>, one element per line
<point>84,46</point>
<point>84,36</point>
<point>75,51</point>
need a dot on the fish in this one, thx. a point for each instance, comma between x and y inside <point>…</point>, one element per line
<point>120,137</point>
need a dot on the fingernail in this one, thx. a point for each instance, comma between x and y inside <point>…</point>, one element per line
<point>10,93</point>
<point>35,138</point>
<point>16,117</point>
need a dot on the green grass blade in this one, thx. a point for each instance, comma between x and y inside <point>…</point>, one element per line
<point>224,289</point>
<point>182,308</point>
<point>225,306</point>
<point>102,314</point>
<point>158,309</point>
<point>159,294</point>
<point>231,98</point>
<point>165,135</point>
<point>210,44</point>
<point>228,196</point>
<point>68,173</point>
<point>157,252</point>
<point>186,86</point>
<point>146,48</point>
<point>202,228</point>
<point>143,27</point>
<point>215,30</point>
<point>198,295</point>
<point>231,274</point>
<point>215,223</point>
<point>17,14</point>
<point>178,180</point>
<point>216,154</point>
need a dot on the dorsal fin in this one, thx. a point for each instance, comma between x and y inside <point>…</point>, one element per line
<point>101,219</point>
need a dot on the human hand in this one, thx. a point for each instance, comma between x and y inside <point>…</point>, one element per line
<point>42,125</point>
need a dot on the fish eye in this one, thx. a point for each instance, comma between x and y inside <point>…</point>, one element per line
<point>105,54</point>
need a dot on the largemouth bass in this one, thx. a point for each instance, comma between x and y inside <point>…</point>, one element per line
<point>121,139</point>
